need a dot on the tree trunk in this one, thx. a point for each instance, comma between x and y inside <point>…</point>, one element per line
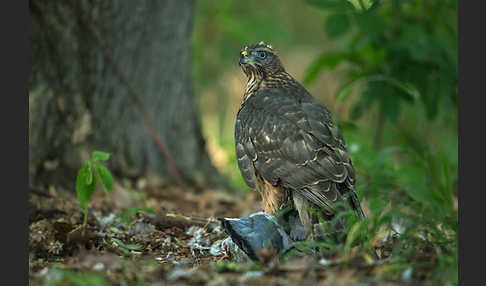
<point>78,105</point>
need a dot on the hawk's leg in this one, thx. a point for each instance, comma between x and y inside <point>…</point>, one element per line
<point>317,223</point>
<point>302,206</point>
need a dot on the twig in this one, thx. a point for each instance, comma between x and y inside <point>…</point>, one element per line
<point>165,220</point>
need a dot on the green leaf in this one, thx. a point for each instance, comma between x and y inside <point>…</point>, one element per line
<point>122,245</point>
<point>361,5</point>
<point>117,241</point>
<point>345,90</point>
<point>133,246</point>
<point>84,189</point>
<point>370,56</point>
<point>337,25</point>
<point>371,25</point>
<point>100,156</point>
<point>89,174</point>
<point>408,90</point>
<point>447,190</point>
<point>329,60</point>
<point>352,235</point>
<point>104,176</point>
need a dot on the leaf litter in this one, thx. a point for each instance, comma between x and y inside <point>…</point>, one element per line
<point>164,236</point>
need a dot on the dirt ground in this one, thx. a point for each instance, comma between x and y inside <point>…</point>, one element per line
<point>174,240</point>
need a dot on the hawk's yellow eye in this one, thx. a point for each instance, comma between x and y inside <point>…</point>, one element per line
<point>244,53</point>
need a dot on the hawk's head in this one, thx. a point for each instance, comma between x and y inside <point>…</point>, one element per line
<point>260,60</point>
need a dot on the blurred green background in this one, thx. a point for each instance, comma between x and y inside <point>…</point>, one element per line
<point>388,72</point>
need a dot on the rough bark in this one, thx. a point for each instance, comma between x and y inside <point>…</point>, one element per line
<point>77,104</point>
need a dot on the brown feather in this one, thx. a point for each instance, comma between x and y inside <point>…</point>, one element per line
<point>272,196</point>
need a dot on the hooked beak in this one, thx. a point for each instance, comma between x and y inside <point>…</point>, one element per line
<point>246,59</point>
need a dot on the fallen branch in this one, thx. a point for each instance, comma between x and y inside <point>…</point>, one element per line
<point>166,220</point>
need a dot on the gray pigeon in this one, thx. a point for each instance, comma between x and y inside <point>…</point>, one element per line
<point>262,231</point>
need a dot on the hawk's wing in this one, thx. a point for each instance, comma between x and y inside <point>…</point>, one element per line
<point>294,142</point>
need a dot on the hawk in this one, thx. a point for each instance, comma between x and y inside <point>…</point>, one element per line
<point>287,144</point>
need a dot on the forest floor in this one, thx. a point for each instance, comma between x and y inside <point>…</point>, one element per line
<point>152,235</point>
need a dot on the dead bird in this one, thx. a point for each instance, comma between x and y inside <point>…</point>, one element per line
<point>262,233</point>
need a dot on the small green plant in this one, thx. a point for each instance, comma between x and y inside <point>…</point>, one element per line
<point>126,248</point>
<point>91,172</point>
